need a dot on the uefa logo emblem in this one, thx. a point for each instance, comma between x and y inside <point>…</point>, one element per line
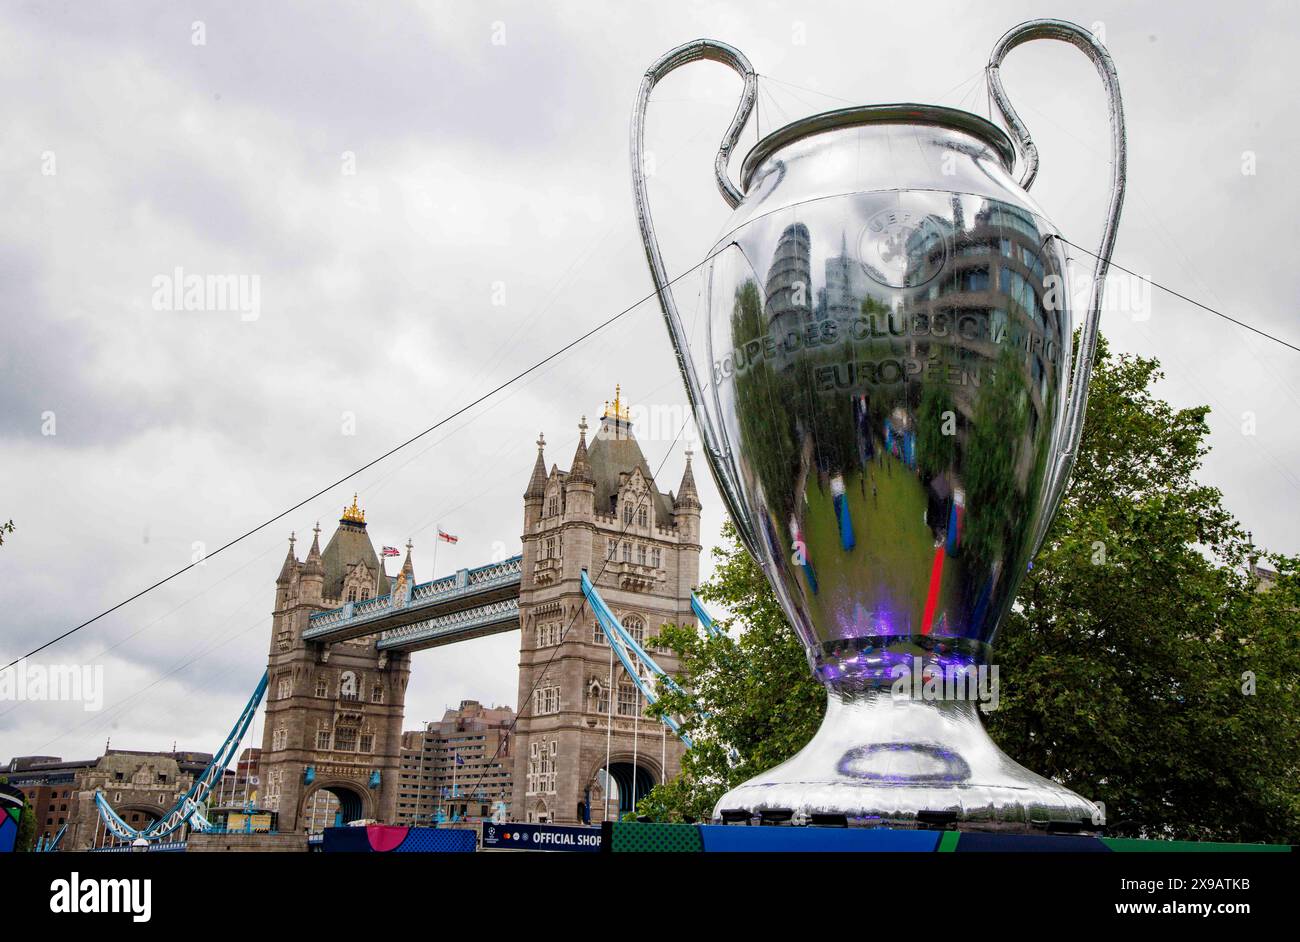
<point>902,249</point>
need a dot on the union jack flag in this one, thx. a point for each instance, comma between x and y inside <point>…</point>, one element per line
<point>390,551</point>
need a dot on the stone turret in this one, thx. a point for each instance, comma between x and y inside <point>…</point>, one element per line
<point>311,577</point>
<point>686,514</point>
<point>408,567</point>
<point>284,581</point>
<point>536,490</point>
<point>579,509</point>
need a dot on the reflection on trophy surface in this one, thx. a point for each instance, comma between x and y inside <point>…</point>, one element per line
<point>890,408</point>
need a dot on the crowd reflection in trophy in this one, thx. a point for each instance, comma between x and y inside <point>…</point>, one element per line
<point>889,416</point>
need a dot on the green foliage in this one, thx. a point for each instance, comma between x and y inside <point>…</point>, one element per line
<point>758,691</point>
<point>1126,666</point>
<point>935,451</point>
<point>6,527</point>
<point>996,437</point>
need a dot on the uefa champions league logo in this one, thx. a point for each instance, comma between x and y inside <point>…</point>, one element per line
<point>902,249</point>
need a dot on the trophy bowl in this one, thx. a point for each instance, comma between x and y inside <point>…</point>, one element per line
<point>890,403</point>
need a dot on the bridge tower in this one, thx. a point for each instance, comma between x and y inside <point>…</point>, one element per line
<point>580,721</point>
<point>333,710</point>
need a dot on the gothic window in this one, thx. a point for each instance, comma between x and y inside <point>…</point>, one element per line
<point>642,517</point>
<point>284,688</point>
<point>640,555</point>
<point>597,634</point>
<point>627,513</point>
<point>611,548</point>
<point>367,742</point>
<point>627,552</point>
<point>635,626</point>
<point>348,686</point>
<point>628,696</point>
<point>365,594</point>
<point>546,700</point>
<point>541,767</point>
<point>323,738</point>
<point>553,506</point>
<point>352,595</point>
<point>278,739</point>
<point>377,693</point>
<point>656,557</point>
<point>345,738</point>
<point>322,687</point>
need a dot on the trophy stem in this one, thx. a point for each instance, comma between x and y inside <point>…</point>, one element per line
<point>882,758</point>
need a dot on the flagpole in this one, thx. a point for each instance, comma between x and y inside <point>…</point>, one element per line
<point>436,540</point>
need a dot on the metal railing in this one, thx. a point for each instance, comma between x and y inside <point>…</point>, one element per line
<point>432,629</point>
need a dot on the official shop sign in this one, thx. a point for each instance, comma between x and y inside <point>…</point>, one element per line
<point>539,837</point>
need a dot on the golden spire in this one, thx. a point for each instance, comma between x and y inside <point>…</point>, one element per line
<point>619,411</point>
<point>354,514</point>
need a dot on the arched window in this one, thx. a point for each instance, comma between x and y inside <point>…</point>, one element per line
<point>635,626</point>
<point>352,595</point>
<point>627,512</point>
<point>642,517</point>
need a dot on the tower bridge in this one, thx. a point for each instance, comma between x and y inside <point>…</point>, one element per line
<point>468,604</point>
<point>343,631</point>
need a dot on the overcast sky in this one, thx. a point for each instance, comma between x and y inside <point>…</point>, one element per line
<point>432,197</point>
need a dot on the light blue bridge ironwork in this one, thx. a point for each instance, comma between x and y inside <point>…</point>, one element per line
<point>468,604</point>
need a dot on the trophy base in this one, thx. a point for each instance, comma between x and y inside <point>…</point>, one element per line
<point>881,761</point>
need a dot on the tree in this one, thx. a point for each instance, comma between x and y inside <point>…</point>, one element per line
<point>1143,665</point>
<point>6,527</point>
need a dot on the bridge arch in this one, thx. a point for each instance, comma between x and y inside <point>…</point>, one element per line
<point>355,801</point>
<point>629,778</point>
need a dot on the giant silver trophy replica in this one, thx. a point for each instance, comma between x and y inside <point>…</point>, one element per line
<point>889,402</point>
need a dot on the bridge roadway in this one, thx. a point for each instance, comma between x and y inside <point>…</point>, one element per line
<point>470,603</point>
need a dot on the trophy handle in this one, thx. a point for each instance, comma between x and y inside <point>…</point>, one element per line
<point>719,454</point>
<point>1078,373</point>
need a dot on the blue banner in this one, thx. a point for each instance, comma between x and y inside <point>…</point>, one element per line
<point>540,837</point>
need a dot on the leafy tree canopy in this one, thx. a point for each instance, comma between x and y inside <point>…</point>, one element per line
<point>1145,665</point>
